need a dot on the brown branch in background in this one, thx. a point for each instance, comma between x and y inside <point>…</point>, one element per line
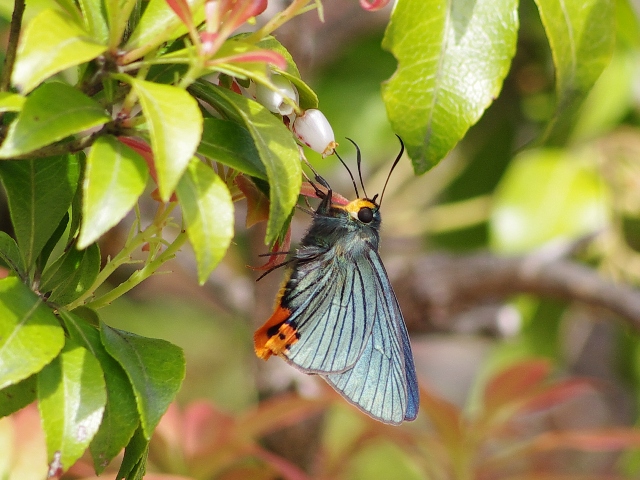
<point>436,287</point>
<point>12,47</point>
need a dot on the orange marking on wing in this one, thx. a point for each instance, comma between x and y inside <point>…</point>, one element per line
<point>275,336</point>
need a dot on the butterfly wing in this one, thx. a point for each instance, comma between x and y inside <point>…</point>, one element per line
<point>330,310</point>
<point>383,381</point>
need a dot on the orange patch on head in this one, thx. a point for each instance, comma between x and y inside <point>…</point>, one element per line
<point>275,336</point>
<point>356,205</point>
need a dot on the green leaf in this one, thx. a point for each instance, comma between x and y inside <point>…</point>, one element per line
<point>11,102</point>
<point>114,178</point>
<point>71,275</point>
<point>43,258</point>
<point>39,193</point>
<point>275,144</point>
<point>452,59</point>
<point>71,399</point>
<point>581,34</point>
<point>608,101</point>
<point>135,457</point>
<point>30,335</point>
<point>51,43</point>
<point>159,24</point>
<point>175,126</point>
<point>16,397</point>
<point>547,195</point>
<point>52,112</point>
<point>118,14</point>
<point>10,254</point>
<point>120,418</point>
<point>208,213</point>
<point>230,144</point>
<point>95,20</point>
<point>155,368</point>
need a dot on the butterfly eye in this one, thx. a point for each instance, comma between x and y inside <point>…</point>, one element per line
<point>365,215</point>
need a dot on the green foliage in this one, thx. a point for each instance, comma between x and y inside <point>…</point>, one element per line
<point>452,59</point>
<point>105,95</point>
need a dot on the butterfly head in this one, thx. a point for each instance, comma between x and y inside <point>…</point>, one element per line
<point>365,211</point>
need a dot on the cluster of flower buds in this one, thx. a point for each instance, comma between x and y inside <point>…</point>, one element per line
<point>310,127</point>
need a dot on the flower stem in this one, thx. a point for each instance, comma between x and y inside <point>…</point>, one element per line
<point>124,256</point>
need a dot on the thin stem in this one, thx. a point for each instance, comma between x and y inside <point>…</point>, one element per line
<point>12,47</point>
<point>124,256</point>
<point>140,275</point>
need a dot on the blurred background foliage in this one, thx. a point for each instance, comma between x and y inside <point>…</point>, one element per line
<point>497,191</point>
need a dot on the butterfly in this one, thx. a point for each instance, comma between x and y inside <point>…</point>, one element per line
<point>336,314</point>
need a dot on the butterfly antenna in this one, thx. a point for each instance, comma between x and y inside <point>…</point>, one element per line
<point>359,157</point>
<point>353,180</point>
<point>318,179</point>
<point>392,167</point>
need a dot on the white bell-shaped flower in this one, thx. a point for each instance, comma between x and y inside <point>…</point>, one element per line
<point>313,129</point>
<point>274,100</point>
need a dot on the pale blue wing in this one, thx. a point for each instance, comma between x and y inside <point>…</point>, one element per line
<point>331,309</point>
<point>383,381</point>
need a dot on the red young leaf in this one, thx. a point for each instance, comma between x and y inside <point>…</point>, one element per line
<point>257,202</point>
<point>445,416</point>
<point>182,10</point>
<point>558,393</point>
<point>287,469</point>
<point>143,148</point>
<point>278,412</point>
<point>266,56</point>
<point>203,427</point>
<point>279,253</point>
<point>373,5</point>
<point>514,384</point>
<point>308,191</point>
<point>243,10</point>
<point>596,440</point>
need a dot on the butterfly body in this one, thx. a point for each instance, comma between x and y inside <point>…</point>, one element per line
<point>336,314</point>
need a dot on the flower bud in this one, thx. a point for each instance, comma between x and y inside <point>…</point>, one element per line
<point>312,128</point>
<point>274,100</point>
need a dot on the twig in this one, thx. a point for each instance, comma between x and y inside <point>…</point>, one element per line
<point>12,47</point>
<point>436,287</point>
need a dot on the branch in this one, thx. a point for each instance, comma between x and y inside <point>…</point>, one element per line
<point>12,47</point>
<point>436,287</point>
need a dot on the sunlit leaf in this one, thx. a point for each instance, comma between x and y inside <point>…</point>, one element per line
<point>208,213</point>
<point>547,195</point>
<point>30,335</point>
<point>120,418</point>
<point>276,147</point>
<point>452,59</point>
<point>175,126</point>
<point>158,24</point>
<point>118,16</point>
<point>52,112</point>
<point>11,102</point>
<point>51,43</point>
<point>114,178</point>
<point>71,399</point>
<point>581,34</point>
